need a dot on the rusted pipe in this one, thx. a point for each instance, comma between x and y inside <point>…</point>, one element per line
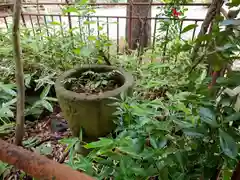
<point>36,165</point>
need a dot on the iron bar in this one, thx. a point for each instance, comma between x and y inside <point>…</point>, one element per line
<point>39,27</point>
<point>181,26</point>
<point>88,25</point>
<point>69,17</point>
<point>5,21</point>
<point>61,25</point>
<point>165,43</point>
<point>38,22</point>
<point>120,17</point>
<point>23,19</point>
<point>117,35</point>
<point>130,26</point>
<point>154,33</point>
<point>108,36</point>
<point>98,33</point>
<point>45,22</point>
<point>30,17</point>
<point>80,28</point>
<point>194,30</point>
<point>54,30</point>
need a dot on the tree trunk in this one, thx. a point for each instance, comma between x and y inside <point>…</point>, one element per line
<point>19,133</point>
<point>213,10</point>
<point>138,31</point>
<point>236,173</point>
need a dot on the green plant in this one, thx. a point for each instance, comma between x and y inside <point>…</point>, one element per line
<point>183,134</point>
<point>170,29</point>
<point>7,100</point>
<point>37,105</point>
<point>3,168</point>
<point>173,127</point>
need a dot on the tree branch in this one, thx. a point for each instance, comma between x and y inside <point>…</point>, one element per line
<point>211,14</point>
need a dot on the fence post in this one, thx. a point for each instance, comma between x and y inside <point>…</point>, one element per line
<point>138,27</point>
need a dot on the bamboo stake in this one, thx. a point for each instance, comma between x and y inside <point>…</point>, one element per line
<point>19,132</point>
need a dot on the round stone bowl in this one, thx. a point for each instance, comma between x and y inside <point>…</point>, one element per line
<point>91,112</point>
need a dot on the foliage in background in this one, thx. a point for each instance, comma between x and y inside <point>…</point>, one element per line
<point>169,29</point>
<point>47,51</point>
<point>175,129</point>
<point>183,133</point>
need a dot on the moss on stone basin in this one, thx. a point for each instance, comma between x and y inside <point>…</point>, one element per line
<point>91,112</point>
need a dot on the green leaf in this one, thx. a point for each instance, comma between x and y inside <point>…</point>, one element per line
<point>100,28</point>
<point>92,38</point>
<point>89,22</point>
<point>225,47</point>
<point>164,173</point>
<point>44,149</point>
<point>153,142</point>
<point>51,99</point>
<point>189,27</point>
<point>55,23</point>
<point>234,3</point>
<point>101,143</point>
<point>3,167</point>
<point>9,103</point>
<point>183,124</point>
<point>86,51</point>
<point>70,142</point>
<point>194,132</point>
<point>179,158</point>
<point>228,144</point>
<point>205,37</point>
<point>83,164</point>
<point>233,117</point>
<point>47,105</point>
<point>162,143</point>
<point>208,117</point>
<point>129,151</point>
<point>6,112</point>
<point>6,129</point>
<point>70,9</point>
<point>8,88</point>
<point>45,91</point>
<point>227,174</point>
<point>31,142</point>
<point>27,80</point>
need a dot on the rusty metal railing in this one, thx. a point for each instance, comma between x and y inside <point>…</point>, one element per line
<point>36,165</point>
<point>107,4</point>
<point>113,30</point>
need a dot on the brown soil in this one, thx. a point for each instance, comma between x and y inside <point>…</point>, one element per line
<point>93,83</point>
<point>47,132</point>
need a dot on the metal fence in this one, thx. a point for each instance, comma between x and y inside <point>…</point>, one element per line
<point>114,26</point>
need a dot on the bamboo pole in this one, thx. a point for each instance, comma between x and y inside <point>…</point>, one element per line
<point>19,74</point>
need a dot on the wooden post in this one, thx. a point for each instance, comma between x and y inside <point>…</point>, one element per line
<point>138,31</point>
